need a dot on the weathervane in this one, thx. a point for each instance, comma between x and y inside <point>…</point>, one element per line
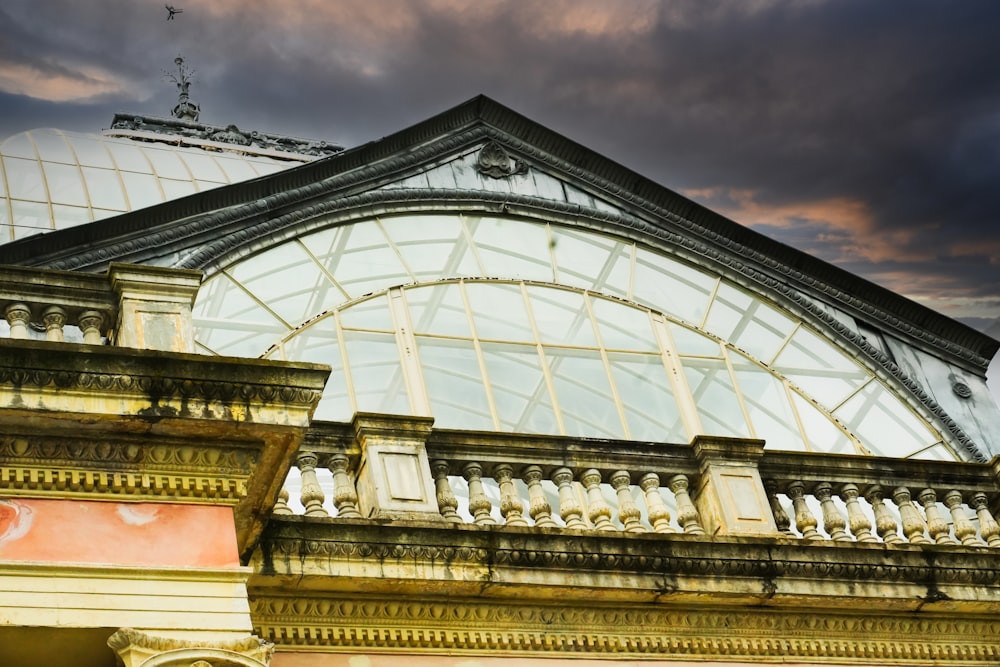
<point>185,109</point>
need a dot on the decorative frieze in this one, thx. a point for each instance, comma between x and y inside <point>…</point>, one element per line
<point>599,631</point>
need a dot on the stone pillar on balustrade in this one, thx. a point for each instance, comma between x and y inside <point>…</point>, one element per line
<point>730,494</point>
<point>154,306</point>
<point>394,475</point>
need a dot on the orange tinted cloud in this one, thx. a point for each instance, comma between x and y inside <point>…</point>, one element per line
<point>61,85</point>
<point>841,223</point>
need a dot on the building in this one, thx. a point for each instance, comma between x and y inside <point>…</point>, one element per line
<point>470,394</point>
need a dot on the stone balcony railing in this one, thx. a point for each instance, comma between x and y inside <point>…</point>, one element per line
<point>128,306</point>
<point>401,468</point>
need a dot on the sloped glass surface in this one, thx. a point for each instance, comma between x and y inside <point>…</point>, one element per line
<point>508,350</point>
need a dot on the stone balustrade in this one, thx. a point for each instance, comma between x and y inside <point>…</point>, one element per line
<point>129,306</point>
<point>862,499</point>
<point>711,486</point>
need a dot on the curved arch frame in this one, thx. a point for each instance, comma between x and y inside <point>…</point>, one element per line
<point>357,209</point>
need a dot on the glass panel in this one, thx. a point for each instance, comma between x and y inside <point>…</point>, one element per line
<point>143,189</point>
<point>714,397</point>
<point>821,370</point>
<point>53,147</point>
<point>30,218</point>
<point>129,157</point>
<point>935,453</point>
<point>69,216</point>
<point>318,344</point>
<point>166,164</point>
<point>883,424</point>
<point>289,282</point>
<point>592,261</point>
<point>499,312</point>
<point>584,395</point>
<point>747,323</point>
<point>20,146</point>
<point>767,404</point>
<point>432,246</point>
<point>229,322</point>
<point>561,317</point>
<point>454,384</point>
<point>690,342</point>
<point>24,179</point>
<point>671,287</point>
<point>236,169</point>
<point>203,167</point>
<point>105,189</point>
<point>649,403</point>
<point>511,249</point>
<point>358,257</point>
<point>623,327</point>
<point>522,399</point>
<point>65,184</point>
<point>371,315</point>
<point>822,432</point>
<point>264,167</point>
<point>376,372</point>
<point>438,310</point>
<point>92,153</point>
<point>176,189</point>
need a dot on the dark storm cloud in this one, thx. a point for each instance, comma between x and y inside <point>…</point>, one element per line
<point>866,133</point>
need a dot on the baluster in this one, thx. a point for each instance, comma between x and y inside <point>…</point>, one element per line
<point>834,522</point>
<point>569,508</point>
<point>479,504</point>
<point>597,509</point>
<point>781,519</point>
<point>687,513</point>
<point>659,513</point>
<point>312,494</point>
<point>345,495</point>
<point>90,323</point>
<point>538,506</point>
<point>628,511</point>
<point>936,525</point>
<point>511,507</point>
<point>885,523</point>
<point>989,529</point>
<point>913,523</point>
<point>964,530</point>
<point>447,502</point>
<point>54,319</point>
<point>281,507</point>
<point>805,522</point>
<point>18,316</point>
<point>860,526</point>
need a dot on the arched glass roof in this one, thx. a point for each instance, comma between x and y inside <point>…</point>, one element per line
<point>502,324</point>
<point>51,179</point>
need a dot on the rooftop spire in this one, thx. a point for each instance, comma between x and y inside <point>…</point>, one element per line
<point>185,109</point>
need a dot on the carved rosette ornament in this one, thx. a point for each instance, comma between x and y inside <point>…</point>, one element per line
<point>496,163</point>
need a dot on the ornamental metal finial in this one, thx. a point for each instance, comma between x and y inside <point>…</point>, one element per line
<point>185,109</point>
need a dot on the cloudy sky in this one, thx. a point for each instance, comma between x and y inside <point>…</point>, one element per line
<point>867,133</point>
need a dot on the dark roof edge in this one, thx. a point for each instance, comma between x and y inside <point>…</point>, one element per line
<point>866,299</point>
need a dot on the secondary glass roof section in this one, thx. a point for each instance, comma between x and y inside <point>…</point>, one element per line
<point>500,324</point>
<point>51,179</point>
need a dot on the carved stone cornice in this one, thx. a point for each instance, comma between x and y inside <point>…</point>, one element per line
<point>156,384</point>
<point>598,630</point>
<point>120,467</point>
<point>343,555</point>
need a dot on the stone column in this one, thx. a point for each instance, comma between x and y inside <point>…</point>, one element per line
<point>730,495</point>
<point>154,309</point>
<point>394,476</point>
